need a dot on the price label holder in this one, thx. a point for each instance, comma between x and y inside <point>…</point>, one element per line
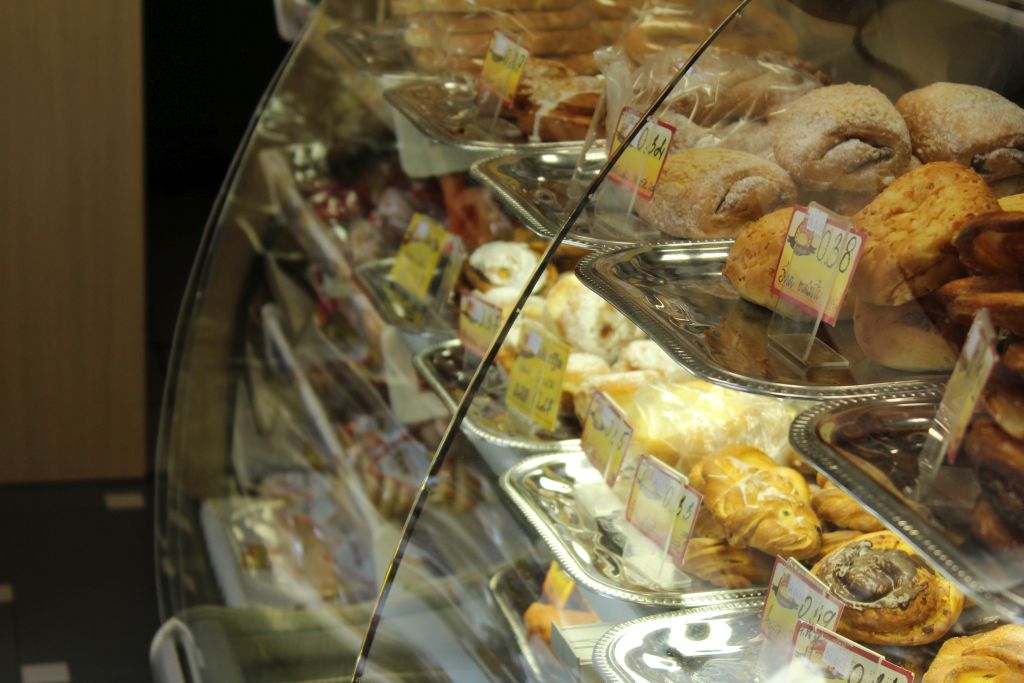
<point>960,399</point>
<point>499,80</point>
<point>636,173</point>
<point>427,255</point>
<point>815,268</point>
<point>821,656</point>
<point>794,595</point>
<point>663,507</point>
<point>606,436</point>
<point>535,382</point>
<point>479,321</point>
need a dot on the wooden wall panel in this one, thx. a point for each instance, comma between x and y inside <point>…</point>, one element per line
<point>71,238</point>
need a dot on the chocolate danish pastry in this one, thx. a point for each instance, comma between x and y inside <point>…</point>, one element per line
<point>891,595</point>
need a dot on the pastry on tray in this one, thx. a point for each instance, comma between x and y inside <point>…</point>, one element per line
<point>913,337</point>
<point>891,596</point>
<point>834,505</point>
<point>718,563</point>
<point>996,656</point>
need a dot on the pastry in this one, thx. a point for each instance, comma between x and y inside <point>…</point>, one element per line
<point>503,264</point>
<point>842,137</point>
<point>585,321</point>
<point>1012,203</point>
<point>836,506</point>
<point>644,354</point>
<point>830,540</point>
<point>1002,295</point>
<point>967,124</point>
<point>904,337</point>
<point>618,386</point>
<point>993,244</point>
<point>709,193</point>
<point>996,656</point>
<point>891,595</point>
<point>578,368</point>
<point>718,563</point>
<point>540,618</point>
<point>910,228</point>
<point>558,108</point>
<point>1004,402</point>
<point>406,7</point>
<point>761,504</point>
<point>989,528</point>
<point>999,461</point>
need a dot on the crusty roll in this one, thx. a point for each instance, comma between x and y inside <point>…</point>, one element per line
<point>996,656</point>
<point>967,124</point>
<point>760,504</point>
<point>709,193</point>
<point>843,137</point>
<point>902,337</point>
<point>910,228</point>
<point>718,563</point>
<point>891,595</point>
<point>836,506</point>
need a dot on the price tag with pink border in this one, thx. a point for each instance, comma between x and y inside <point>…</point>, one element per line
<point>663,506</point>
<point>639,167</point>
<point>795,595</point>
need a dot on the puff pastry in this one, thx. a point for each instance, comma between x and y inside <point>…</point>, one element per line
<point>718,563</point>
<point>759,503</point>
<point>891,595</point>
<point>993,244</point>
<point>836,506</point>
<point>993,657</point>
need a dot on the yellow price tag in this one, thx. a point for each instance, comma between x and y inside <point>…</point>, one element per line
<point>503,67</point>
<point>606,436</point>
<point>796,595</point>
<point>639,167</point>
<point>557,586</point>
<point>663,506</point>
<point>479,321</point>
<point>535,382</point>
<point>817,263</point>
<point>418,257</point>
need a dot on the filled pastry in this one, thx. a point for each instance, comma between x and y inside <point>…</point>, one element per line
<point>585,321</point>
<point>706,193</point>
<point>970,125</point>
<point>503,264</point>
<point>718,563</point>
<point>838,507</point>
<point>644,354</point>
<point>996,656</point>
<point>910,229</point>
<point>760,504</point>
<point>842,137</point>
<point>891,595</point>
<point>540,619</point>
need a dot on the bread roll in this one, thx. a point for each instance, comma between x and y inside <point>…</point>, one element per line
<point>709,193</point>
<point>842,137</point>
<point>902,337</point>
<point>910,228</point>
<point>967,124</point>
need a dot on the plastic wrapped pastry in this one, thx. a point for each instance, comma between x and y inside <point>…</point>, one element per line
<point>761,504</point>
<point>843,137</point>
<point>970,125</point>
<point>891,595</point>
<point>709,193</point>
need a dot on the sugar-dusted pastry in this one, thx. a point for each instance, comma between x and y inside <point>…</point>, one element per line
<point>644,354</point>
<point>503,264</point>
<point>908,337</point>
<point>717,562</point>
<point>761,504</point>
<point>842,137</point>
<point>585,321</point>
<point>891,596</point>
<point>993,244</point>
<point>996,656</point>
<point>619,386</point>
<point>967,124</point>
<point>705,193</point>
<point>834,505</point>
<point>578,368</point>
<point>910,228</point>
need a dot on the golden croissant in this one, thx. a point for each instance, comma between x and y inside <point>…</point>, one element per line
<point>995,657</point>
<point>836,506</point>
<point>760,504</point>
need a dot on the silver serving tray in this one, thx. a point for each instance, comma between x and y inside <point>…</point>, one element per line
<point>539,188</point>
<point>376,49</point>
<point>543,488</point>
<point>440,365</point>
<point>396,307</point>
<point>445,112</point>
<point>888,433</point>
<point>696,645</point>
<point>676,293</point>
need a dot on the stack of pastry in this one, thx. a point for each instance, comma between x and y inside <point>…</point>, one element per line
<point>453,35</point>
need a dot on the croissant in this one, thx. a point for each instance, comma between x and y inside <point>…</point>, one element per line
<point>717,562</point>
<point>836,506</point>
<point>760,504</point>
<point>995,657</point>
<point>830,540</point>
<point>891,595</point>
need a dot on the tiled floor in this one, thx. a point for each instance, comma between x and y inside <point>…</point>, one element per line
<point>77,596</point>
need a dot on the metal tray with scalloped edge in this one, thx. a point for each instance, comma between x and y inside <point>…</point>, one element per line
<point>869,448</point>
<point>442,366</point>
<point>676,293</point>
<point>590,548</point>
<point>398,308</point>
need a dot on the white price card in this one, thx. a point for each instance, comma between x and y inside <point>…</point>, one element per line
<point>663,506</point>
<point>606,436</point>
<point>795,595</point>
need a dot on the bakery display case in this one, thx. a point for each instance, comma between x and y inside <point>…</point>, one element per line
<point>672,340</point>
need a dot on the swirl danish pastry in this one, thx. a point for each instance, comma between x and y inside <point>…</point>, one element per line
<point>760,504</point>
<point>891,595</point>
<point>970,125</point>
<point>707,193</point>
